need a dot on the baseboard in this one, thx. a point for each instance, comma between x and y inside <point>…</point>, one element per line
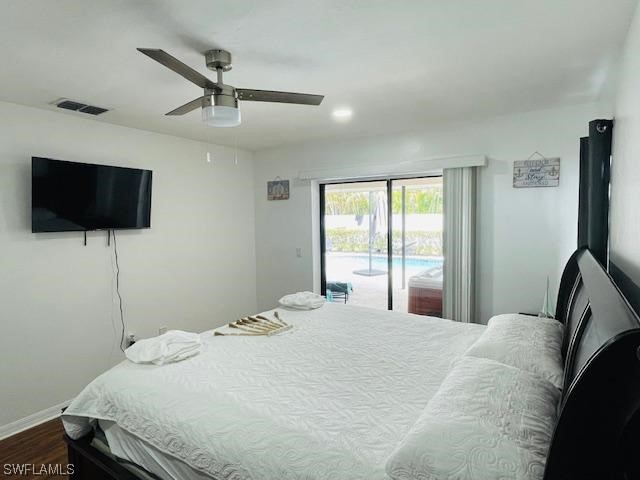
<point>32,420</point>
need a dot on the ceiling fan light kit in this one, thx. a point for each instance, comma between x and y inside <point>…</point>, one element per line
<point>221,116</point>
<point>220,108</point>
<point>219,102</point>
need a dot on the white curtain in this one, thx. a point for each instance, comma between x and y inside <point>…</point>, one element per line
<point>459,243</point>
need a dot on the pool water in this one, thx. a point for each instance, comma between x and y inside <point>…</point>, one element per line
<point>337,264</point>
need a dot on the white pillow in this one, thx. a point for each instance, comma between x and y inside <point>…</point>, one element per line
<point>487,421</point>
<point>531,343</point>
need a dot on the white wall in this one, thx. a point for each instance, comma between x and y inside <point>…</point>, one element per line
<point>194,269</point>
<point>524,234</point>
<point>625,167</point>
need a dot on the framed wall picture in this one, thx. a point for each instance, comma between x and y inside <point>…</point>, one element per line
<point>278,189</point>
<point>544,172</point>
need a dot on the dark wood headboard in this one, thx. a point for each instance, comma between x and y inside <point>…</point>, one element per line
<point>597,435</point>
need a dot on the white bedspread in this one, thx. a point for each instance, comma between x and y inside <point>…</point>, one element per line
<point>330,399</point>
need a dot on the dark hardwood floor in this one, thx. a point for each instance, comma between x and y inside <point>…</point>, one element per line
<point>38,446</point>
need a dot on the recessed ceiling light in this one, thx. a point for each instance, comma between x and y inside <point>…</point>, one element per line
<point>342,113</point>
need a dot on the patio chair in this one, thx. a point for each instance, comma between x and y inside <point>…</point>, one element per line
<point>339,290</point>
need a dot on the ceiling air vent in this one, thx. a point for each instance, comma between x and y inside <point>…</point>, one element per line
<point>79,107</point>
<point>70,105</point>
<point>93,110</point>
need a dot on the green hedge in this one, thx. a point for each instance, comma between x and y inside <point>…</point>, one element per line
<point>357,241</point>
<point>427,200</point>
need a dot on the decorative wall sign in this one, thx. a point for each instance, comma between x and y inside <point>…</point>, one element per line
<point>544,172</point>
<point>278,189</point>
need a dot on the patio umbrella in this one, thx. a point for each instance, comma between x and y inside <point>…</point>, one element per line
<point>377,219</point>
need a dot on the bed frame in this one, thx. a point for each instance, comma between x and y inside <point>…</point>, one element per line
<point>597,435</point>
<point>89,463</point>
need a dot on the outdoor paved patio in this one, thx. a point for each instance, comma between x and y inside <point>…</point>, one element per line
<point>367,291</point>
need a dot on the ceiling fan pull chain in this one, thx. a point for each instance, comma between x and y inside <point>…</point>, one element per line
<point>235,152</point>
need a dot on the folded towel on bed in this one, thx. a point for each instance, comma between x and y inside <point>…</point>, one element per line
<point>173,346</point>
<point>302,301</point>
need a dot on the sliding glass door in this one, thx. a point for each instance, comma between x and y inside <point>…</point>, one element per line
<point>356,267</point>
<point>417,245</point>
<point>382,244</point>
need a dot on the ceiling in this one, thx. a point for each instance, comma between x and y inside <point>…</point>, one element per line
<point>398,65</point>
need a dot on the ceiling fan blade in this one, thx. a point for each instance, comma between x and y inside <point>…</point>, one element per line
<point>187,107</point>
<point>281,97</point>
<point>177,66</point>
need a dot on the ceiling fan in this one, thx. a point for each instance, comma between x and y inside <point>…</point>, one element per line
<point>219,102</point>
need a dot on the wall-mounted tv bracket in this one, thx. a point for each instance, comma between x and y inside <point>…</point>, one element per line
<point>108,237</point>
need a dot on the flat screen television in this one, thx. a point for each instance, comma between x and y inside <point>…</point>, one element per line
<point>70,196</point>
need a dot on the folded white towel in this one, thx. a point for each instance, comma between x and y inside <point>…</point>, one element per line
<point>302,301</point>
<point>432,272</point>
<point>173,346</point>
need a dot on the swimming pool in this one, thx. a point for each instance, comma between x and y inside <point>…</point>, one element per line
<point>340,264</point>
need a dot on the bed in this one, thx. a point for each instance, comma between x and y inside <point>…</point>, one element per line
<point>354,393</point>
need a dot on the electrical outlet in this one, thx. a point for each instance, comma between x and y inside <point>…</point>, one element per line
<point>299,252</point>
<point>162,330</point>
